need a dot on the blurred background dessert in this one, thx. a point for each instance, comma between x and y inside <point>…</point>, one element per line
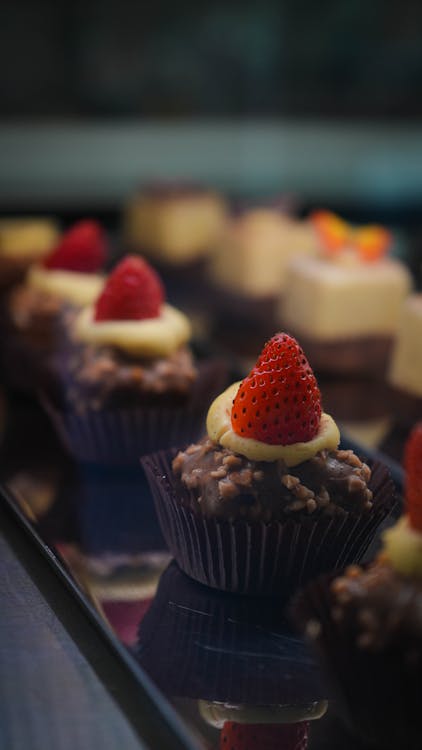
<point>247,272</point>
<point>24,241</point>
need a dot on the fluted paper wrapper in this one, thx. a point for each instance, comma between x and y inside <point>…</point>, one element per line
<point>121,436</point>
<point>257,557</point>
<point>186,621</point>
<point>379,692</point>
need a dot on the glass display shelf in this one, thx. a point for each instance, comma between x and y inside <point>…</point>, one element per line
<point>220,660</point>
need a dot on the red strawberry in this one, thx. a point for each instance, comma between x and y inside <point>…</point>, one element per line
<point>279,402</point>
<point>236,736</point>
<point>413,484</point>
<point>82,248</point>
<point>133,292</point>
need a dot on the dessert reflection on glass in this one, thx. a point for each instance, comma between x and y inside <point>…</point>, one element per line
<point>130,384</point>
<point>260,727</point>
<point>367,625</point>
<point>345,303</point>
<point>232,660</point>
<point>37,312</point>
<point>23,241</point>
<point>266,499</point>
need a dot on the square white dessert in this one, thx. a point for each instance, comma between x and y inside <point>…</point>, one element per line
<point>256,249</point>
<point>175,227</point>
<point>332,300</point>
<point>406,362</point>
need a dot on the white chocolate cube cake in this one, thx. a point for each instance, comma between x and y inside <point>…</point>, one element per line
<point>330,300</point>
<point>405,372</point>
<point>255,250</point>
<point>176,224</point>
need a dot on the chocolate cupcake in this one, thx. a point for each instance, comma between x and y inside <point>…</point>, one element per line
<point>267,500</point>
<point>345,303</point>
<point>130,384</point>
<point>367,627</point>
<point>37,313</point>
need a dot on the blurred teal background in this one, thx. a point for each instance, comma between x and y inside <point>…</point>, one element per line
<point>322,99</point>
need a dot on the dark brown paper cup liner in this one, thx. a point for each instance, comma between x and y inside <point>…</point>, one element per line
<point>260,558</point>
<point>121,436</point>
<point>193,642</point>
<point>378,693</point>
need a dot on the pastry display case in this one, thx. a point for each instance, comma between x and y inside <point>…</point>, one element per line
<point>211,375</point>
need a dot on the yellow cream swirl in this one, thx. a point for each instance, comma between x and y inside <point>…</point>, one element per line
<point>219,428</point>
<point>403,547</point>
<point>151,337</point>
<point>217,713</point>
<point>77,288</point>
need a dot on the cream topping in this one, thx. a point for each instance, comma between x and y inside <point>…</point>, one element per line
<point>151,337</point>
<point>27,238</point>
<point>216,714</point>
<point>403,547</point>
<point>77,288</point>
<point>219,428</point>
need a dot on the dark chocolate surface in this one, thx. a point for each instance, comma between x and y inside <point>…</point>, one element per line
<point>381,605</point>
<point>230,486</point>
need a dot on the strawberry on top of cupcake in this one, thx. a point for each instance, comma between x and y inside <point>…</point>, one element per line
<point>72,271</point>
<point>403,542</point>
<point>270,452</point>
<point>69,277</point>
<point>132,344</point>
<point>131,313</point>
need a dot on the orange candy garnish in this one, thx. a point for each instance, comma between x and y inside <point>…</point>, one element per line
<point>413,482</point>
<point>370,242</point>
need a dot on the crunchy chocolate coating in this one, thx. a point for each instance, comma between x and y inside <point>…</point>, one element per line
<point>37,316</point>
<point>229,486</point>
<point>97,377</point>
<point>380,605</point>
